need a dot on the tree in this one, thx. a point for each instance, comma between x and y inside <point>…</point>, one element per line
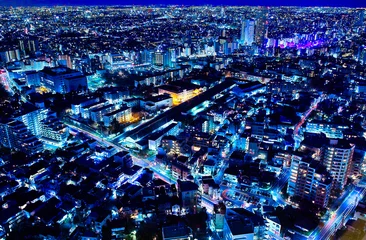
<point>70,137</point>
<point>4,150</point>
<point>106,232</point>
<point>147,230</point>
<point>3,93</point>
<point>19,158</point>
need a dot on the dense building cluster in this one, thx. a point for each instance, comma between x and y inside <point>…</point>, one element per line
<point>169,122</point>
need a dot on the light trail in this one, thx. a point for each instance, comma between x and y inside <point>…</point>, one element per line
<point>340,215</point>
<point>303,119</point>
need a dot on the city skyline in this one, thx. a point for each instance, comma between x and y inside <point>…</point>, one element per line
<point>182,122</point>
<point>303,3</point>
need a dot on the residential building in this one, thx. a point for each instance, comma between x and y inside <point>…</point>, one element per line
<point>309,180</point>
<point>122,115</point>
<point>274,225</point>
<point>180,231</point>
<point>188,194</point>
<point>237,227</point>
<point>116,96</point>
<point>15,135</point>
<point>337,158</point>
<point>77,106</point>
<point>156,103</point>
<point>96,114</point>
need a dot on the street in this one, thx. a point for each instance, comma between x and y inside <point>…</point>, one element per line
<point>340,216</point>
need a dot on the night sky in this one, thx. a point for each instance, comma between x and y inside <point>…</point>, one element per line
<point>336,3</point>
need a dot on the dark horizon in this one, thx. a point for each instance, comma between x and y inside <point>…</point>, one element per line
<point>270,3</point>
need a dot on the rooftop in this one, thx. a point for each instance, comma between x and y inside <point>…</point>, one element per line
<point>176,232</point>
<point>185,186</point>
<point>61,70</point>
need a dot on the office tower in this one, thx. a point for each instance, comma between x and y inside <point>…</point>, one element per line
<point>309,180</point>
<point>337,158</point>
<point>163,58</point>
<point>28,46</point>
<point>170,62</point>
<point>261,26</point>
<point>242,32</point>
<point>247,32</point>
<point>146,56</point>
<point>10,55</point>
<point>159,58</point>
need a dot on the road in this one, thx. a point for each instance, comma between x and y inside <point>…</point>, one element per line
<point>226,190</point>
<point>99,139</point>
<point>338,218</point>
<point>8,84</point>
<point>276,188</point>
<point>220,174</point>
<point>281,180</point>
<point>313,106</point>
<point>4,81</point>
<point>340,215</point>
<point>161,173</point>
<point>145,162</point>
<point>274,191</point>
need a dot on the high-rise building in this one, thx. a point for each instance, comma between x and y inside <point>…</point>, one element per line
<point>28,46</point>
<point>44,124</point>
<point>358,161</point>
<point>146,56</point>
<point>309,180</point>
<point>261,27</point>
<point>15,135</point>
<point>337,158</point>
<point>159,58</point>
<point>33,120</point>
<point>10,55</point>
<point>362,57</point>
<point>171,59</point>
<point>247,32</point>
